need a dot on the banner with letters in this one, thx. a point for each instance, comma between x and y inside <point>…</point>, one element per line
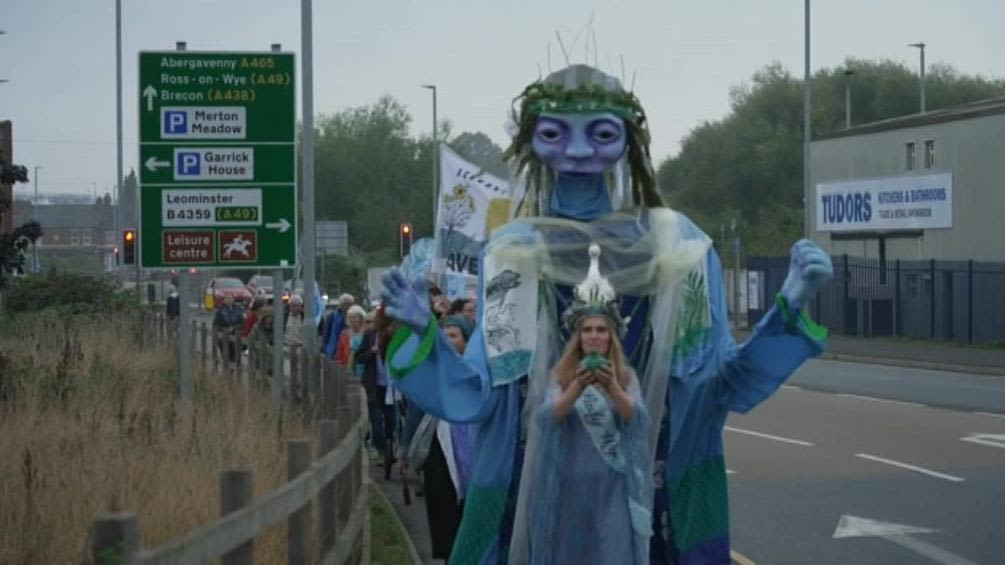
<point>471,204</point>
<point>909,202</point>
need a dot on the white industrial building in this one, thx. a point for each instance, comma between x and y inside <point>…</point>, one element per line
<point>920,187</point>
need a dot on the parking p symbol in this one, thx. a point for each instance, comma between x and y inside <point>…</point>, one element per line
<point>175,122</point>
<point>188,164</point>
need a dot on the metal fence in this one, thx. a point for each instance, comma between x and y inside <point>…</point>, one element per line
<point>961,301</point>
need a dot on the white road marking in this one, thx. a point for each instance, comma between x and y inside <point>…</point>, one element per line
<point>874,399</point>
<point>769,436</point>
<point>993,440</point>
<point>910,467</point>
<point>900,534</point>
<point>791,387</point>
<point>730,472</point>
<point>992,414</point>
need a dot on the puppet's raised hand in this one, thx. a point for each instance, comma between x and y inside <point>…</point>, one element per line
<point>809,270</point>
<point>406,302</point>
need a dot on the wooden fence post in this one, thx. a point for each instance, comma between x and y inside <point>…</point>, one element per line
<point>294,370</point>
<point>236,492</point>
<point>238,355</point>
<point>203,332</point>
<point>298,530</point>
<point>215,347</point>
<point>115,538</point>
<point>329,380</point>
<point>327,508</point>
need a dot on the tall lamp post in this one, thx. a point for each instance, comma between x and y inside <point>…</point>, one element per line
<point>921,81</point>
<point>436,155</point>
<point>847,97</point>
<point>806,116</point>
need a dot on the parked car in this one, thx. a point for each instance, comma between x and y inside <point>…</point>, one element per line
<point>261,284</point>
<point>220,287</point>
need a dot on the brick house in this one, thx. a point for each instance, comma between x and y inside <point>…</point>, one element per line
<point>72,225</point>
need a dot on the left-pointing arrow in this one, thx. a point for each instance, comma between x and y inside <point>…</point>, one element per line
<point>282,225</point>
<point>153,164</point>
<point>150,93</point>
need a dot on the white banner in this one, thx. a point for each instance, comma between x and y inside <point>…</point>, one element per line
<point>895,203</point>
<point>471,204</point>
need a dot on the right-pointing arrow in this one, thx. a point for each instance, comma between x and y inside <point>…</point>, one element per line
<point>282,225</point>
<point>900,534</point>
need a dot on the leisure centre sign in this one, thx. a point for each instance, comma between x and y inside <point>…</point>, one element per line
<point>217,160</point>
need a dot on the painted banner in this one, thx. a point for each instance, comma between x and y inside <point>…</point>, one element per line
<point>471,204</point>
<point>909,202</point>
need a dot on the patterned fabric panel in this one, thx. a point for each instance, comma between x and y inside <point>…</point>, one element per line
<point>479,529</point>
<point>699,506</point>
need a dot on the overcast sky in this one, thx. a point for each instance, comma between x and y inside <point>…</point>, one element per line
<point>59,56</point>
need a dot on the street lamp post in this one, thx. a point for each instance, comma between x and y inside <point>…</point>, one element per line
<point>921,81</point>
<point>847,97</point>
<point>436,155</point>
<point>807,88</point>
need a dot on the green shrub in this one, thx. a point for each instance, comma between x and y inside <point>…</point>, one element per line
<point>72,292</point>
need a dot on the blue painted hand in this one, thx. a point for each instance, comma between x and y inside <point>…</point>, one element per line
<point>809,270</point>
<point>406,302</point>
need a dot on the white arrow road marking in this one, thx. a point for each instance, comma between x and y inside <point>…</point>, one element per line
<point>910,467</point>
<point>993,440</point>
<point>769,436</point>
<point>900,534</point>
<point>282,225</point>
<point>150,93</point>
<point>153,164</point>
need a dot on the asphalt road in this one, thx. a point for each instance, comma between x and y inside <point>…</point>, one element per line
<point>876,451</point>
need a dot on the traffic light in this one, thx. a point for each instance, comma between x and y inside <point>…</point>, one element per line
<point>404,238</point>
<point>128,246</point>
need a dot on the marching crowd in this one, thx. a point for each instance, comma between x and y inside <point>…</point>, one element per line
<point>440,454</point>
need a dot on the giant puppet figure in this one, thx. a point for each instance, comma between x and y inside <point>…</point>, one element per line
<point>582,153</point>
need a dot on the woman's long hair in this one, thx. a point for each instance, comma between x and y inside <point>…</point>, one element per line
<point>568,363</point>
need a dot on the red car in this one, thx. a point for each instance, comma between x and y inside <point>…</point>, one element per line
<point>220,287</point>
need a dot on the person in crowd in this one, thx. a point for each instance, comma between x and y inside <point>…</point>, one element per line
<point>226,322</point>
<point>445,453</point>
<point>365,364</point>
<point>254,315</point>
<point>464,307</point>
<point>593,464</point>
<point>351,337</point>
<point>333,324</point>
<point>172,305</point>
<point>294,335</point>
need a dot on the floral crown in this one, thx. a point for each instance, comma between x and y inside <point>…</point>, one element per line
<point>594,296</point>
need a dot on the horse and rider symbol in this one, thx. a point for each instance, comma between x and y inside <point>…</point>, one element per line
<point>238,246</point>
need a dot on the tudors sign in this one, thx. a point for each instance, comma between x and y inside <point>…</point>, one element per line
<point>217,160</point>
<point>909,202</point>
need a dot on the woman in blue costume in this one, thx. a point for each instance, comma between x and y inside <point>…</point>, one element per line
<point>593,473</point>
<point>582,155</point>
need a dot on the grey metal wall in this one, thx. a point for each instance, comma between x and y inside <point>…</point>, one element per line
<point>973,150</point>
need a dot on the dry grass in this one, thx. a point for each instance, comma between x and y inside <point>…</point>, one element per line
<point>89,423</point>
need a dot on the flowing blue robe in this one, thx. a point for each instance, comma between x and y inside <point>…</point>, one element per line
<point>709,378</point>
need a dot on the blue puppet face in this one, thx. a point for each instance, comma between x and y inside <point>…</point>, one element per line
<point>582,144</point>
